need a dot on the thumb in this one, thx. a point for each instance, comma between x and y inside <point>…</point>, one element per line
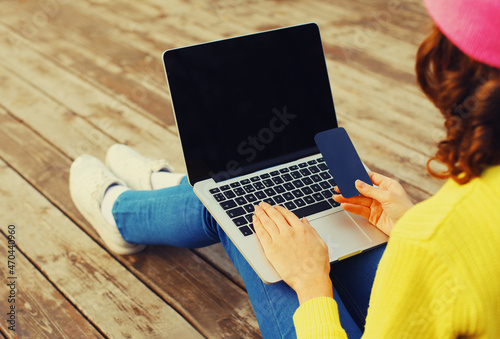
<point>371,191</point>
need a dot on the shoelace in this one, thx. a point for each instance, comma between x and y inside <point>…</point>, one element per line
<point>97,184</point>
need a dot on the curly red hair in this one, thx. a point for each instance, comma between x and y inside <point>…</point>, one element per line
<point>467,92</point>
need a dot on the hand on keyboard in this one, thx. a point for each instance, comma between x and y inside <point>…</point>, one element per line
<point>305,189</point>
<point>295,250</point>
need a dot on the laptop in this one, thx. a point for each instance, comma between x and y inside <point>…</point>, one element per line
<point>247,110</point>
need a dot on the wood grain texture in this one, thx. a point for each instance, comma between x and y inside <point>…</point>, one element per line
<point>180,277</point>
<point>360,39</point>
<point>112,298</point>
<point>106,115</point>
<point>41,310</point>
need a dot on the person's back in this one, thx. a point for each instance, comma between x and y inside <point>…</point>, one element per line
<point>439,277</point>
<point>442,263</point>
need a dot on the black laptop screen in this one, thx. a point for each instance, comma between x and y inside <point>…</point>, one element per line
<point>250,102</point>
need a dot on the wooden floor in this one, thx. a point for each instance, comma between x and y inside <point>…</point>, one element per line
<point>79,76</point>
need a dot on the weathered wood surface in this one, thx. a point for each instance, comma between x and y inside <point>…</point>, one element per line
<point>177,275</point>
<point>110,296</point>
<point>76,77</point>
<point>42,310</point>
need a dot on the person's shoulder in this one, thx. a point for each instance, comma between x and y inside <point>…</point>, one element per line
<point>452,207</point>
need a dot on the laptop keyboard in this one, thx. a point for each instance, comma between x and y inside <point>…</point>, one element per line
<point>305,189</point>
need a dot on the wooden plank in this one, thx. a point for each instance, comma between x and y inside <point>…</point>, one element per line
<point>399,19</point>
<point>97,61</point>
<point>369,60</point>
<point>187,13</point>
<point>50,118</point>
<point>113,117</point>
<point>392,105</point>
<point>112,298</point>
<point>79,98</point>
<point>131,128</point>
<point>204,296</point>
<point>41,311</point>
<point>217,256</point>
<point>382,105</point>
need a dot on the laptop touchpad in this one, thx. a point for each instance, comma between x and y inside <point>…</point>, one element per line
<point>341,234</point>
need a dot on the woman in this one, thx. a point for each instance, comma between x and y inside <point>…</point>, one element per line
<point>438,276</point>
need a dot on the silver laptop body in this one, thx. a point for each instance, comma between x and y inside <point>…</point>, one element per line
<point>247,110</point>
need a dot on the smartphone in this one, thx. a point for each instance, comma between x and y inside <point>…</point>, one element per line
<point>342,160</point>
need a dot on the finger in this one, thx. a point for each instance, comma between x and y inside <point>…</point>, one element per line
<point>290,217</point>
<point>274,215</point>
<point>362,211</point>
<point>375,177</point>
<point>266,222</point>
<point>305,221</point>
<point>261,231</point>
<point>379,179</point>
<point>357,200</point>
<point>313,230</point>
<point>371,191</point>
<point>387,183</point>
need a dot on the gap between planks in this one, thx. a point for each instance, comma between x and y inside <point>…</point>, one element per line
<point>109,296</point>
<point>159,266</point>
<point>41,310</point>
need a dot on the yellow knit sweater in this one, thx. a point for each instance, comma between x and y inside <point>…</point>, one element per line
<point>439,276</point>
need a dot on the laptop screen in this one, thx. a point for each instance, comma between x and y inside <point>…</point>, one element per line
<point>251,102</point>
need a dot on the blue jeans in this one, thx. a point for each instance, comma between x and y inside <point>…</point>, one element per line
<point>175,216</point>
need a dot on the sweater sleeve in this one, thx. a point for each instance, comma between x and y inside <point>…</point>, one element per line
<point>318,318</point>
<point>412,297</point>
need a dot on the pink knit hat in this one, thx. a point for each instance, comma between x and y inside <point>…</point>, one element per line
<point>472,25</point>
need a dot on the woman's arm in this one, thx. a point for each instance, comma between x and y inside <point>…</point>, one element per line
<point>413,293</point>
<point>295,250</point>
<point>300,256</point>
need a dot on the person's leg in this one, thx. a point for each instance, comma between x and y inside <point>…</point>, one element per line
<point>353,279</point>
<point>175,216</point>
<point>170,216</point>
<point>274,305</point>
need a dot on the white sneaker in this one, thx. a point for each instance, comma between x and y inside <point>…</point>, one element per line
<point>89,179</point>
<point>134,168</point>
